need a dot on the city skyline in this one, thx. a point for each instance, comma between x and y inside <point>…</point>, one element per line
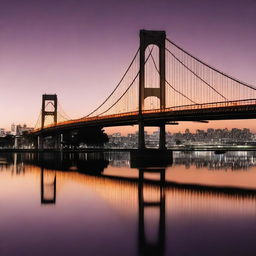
<point>74,48</point>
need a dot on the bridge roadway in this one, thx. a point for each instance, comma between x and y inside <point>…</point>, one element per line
<point>240,109</point>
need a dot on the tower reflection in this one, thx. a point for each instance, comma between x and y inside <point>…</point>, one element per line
<point>147,247</point>
<point>48,189</point>
<point>146,203</point>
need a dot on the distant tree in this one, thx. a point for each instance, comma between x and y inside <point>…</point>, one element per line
<point>88,136</point>
<point>7,141</point>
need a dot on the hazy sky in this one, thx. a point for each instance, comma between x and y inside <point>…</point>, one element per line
<point>79,49</point>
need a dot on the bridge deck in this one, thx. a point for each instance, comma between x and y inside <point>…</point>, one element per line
<point>240,109</point>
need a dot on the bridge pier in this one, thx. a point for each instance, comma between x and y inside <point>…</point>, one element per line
<point>56,142</point>
<point>40,142</point>
<point>16,145</point>
<point>162,138</point>
<point>59,141</point>
<point>141,136</point>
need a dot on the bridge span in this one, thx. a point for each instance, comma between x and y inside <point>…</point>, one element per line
<point>243,109</point>
<point>164,84</point>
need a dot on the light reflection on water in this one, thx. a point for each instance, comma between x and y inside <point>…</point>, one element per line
<point>95,204</point>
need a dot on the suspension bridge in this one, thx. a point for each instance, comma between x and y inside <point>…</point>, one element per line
<point>162,85</point>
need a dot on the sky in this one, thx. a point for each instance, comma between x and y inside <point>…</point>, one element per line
<point>79,49</point>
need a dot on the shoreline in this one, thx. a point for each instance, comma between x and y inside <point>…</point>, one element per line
<point>190,149</point>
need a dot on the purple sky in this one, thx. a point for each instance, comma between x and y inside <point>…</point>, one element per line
<point>80,49</point>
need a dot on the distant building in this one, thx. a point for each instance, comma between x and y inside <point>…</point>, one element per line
<point>13,129</point>
<point>21,129</point>
<point>2,132</point>
<point>210,136</point>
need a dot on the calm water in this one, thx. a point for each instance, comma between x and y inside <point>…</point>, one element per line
<point>96,204</point>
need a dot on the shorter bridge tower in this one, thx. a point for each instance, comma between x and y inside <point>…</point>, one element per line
<point>46,100</point>
<point>52,99</point>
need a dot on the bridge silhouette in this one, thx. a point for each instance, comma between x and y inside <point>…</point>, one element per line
<point>162,85</point>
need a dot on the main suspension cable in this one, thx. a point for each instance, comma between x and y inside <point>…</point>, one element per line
<point>215,69</point>
<point>127,87</point>
<point>64,113</point>
<point>177,59</point>
<point>154,62</point>
<point>117,84</point>
<point>38,119</point>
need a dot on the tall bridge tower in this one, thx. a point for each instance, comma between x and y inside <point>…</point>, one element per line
<point>49,99</point>
<point>150,37</point>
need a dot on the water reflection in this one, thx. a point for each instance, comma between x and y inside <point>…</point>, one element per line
<point>48,189</point>
<point>157,245</point>
<point>236,160</point>
<point>168,219</point>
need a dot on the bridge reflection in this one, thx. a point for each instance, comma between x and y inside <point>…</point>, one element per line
<point>150,194</point>
<point>94,165</point>
<point>146,246</point>
<point>98,161</point>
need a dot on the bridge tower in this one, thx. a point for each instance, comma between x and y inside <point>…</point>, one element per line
<point>150,37</point>
<point>47,99</point>
<point>52,98</point>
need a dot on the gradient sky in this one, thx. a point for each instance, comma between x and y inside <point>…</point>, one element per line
<point>79,49</point>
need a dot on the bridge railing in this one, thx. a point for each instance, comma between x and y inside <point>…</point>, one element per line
<point>170,109</point>
<point>134,113</point>
<point>205,106</point>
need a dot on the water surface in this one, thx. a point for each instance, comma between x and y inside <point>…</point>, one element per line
<point>96,204</point>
